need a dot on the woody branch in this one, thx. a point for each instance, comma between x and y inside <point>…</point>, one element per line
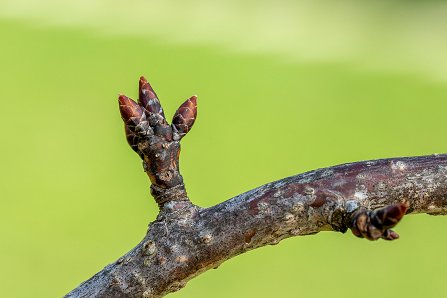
<point>368,197</point>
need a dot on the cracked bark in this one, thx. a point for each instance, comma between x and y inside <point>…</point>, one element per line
<point>368,197</point>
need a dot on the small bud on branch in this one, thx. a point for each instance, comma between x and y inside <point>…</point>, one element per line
<point>184,117</point>
<point>131,113</point>
<point>376,224</point>
<point>149,101</point>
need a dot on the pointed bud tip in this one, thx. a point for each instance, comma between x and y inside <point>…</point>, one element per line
<point>193,99</point>
<point>142,81</point>
<point>146,91</point>
<point>122,98</point>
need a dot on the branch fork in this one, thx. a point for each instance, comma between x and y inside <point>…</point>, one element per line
<point>368,197</point>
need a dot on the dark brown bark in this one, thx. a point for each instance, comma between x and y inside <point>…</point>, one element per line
<point>185,240</point>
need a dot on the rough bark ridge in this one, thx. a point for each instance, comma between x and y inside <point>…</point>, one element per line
<point>185,240</point>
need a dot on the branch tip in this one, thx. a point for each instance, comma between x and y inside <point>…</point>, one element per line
<point>149,134</point>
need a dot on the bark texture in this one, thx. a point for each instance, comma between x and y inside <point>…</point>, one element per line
<point>368,197</point>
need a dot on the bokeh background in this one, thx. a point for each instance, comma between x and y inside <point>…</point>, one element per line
<point>284,87</point>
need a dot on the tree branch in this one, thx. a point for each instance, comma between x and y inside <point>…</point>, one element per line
<point>368,197</point>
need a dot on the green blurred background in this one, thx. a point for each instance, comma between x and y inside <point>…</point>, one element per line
<point>284,87</point>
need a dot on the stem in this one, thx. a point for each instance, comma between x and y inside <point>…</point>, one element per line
<point>186,240</point>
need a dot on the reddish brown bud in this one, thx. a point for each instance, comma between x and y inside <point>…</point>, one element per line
<point>387,217</point>
<point>131,113</point>
<point>185,116</point>
<point>376,224</point>
<point>148,99</point>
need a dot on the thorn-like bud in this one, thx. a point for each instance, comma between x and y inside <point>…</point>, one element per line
<point>132,114</point>
<point>185,116</point>
<point>148,99</point>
